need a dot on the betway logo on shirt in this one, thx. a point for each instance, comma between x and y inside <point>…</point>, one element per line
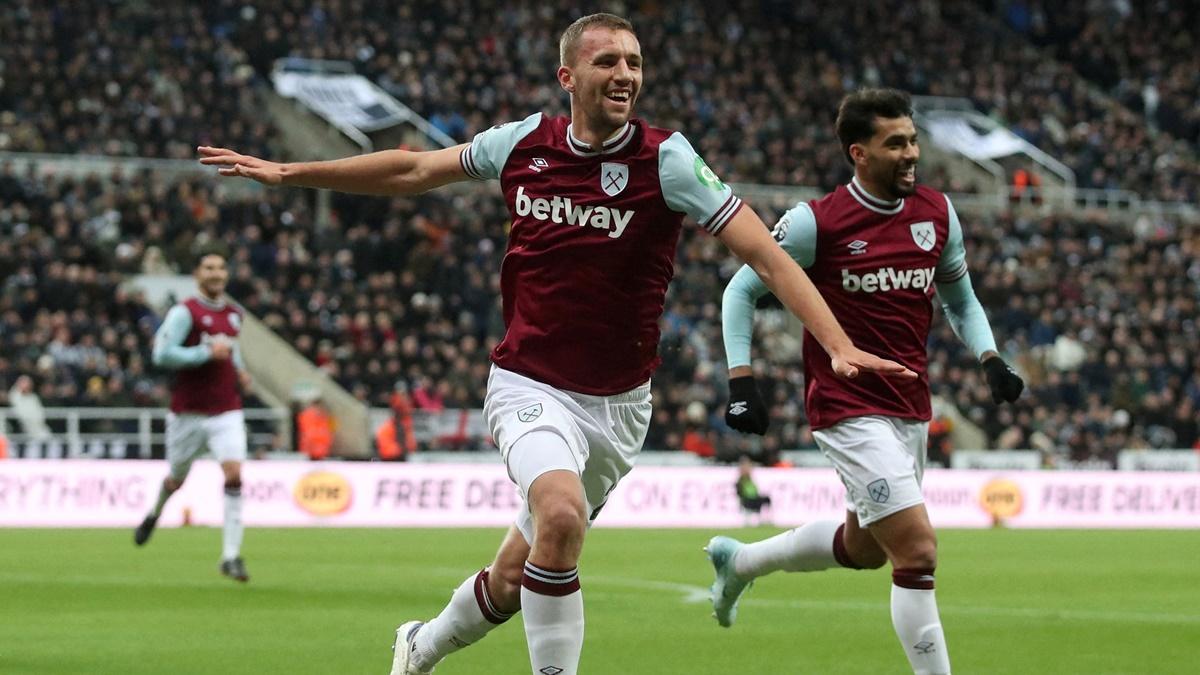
<point>561,210</point>
<point>887,279</point>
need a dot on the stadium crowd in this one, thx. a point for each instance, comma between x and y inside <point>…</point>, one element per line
<point>1099,315</point>
<point>750,85</point>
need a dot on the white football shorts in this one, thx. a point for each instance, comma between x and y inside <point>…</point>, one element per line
<point>603,433</point>
<point>188,435</point>
<point>881,461</point>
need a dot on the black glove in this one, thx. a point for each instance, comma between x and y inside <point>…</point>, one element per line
<point>746,412</point>
<point>1004,382</point>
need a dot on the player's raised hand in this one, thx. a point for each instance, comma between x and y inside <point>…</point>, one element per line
<point>855,360</point>
<point>230,163</point>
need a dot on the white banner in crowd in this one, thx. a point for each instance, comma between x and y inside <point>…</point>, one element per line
<point>339,97</point>
<point>955,133</point>
<point>116,493</point>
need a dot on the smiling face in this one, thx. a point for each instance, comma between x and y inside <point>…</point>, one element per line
<point>604,78</point>
<point>886,163</point>
<point>211,276</point>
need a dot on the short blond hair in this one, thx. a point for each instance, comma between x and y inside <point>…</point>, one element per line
<point>568,44</point>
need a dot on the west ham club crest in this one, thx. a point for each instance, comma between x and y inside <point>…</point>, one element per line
<point>924,235</point>
<point>613,178</point>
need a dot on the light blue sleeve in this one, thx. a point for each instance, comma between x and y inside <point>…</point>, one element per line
<point>953,263</point>
<point>796,232</point>
<point>488,152</point>
<point>690,187</point>
<point>169,351</point>
<point>238,361</point>
<point>963,311</point>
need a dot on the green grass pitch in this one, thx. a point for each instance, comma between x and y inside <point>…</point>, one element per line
<point>327,601</point>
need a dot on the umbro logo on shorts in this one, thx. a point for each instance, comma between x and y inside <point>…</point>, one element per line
<point>879,490</point>
<point>530,413</point>
<point>551,670</point>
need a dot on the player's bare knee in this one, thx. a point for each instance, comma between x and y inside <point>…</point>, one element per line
<point>234,483</point>
<point>920,554</point>
<point>172,484</point>
<point>560,525</point>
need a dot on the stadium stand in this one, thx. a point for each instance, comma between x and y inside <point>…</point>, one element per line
<point>75,82</point>
<point>1101,310</point>
<point>404,290</point>
<point>732,82</point>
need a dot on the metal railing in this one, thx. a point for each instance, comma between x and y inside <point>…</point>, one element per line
<point>117,433</point>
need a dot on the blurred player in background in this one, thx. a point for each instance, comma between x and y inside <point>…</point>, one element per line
<point>198,340</point>
<point>597,202</point>
<point>875,249</point>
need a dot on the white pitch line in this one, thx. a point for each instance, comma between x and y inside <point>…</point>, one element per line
<point>699,595</point>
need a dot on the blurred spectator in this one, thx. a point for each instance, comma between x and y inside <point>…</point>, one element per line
<point>315,426</point>
<point>698,441</point>
<point>394,439</point>
<point>753,502</point>
<point>27,406</point>
<point>939,445</point>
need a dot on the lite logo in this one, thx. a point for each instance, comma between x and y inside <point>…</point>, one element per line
<point>323,493</point>
<point>562,211</point>
<point>887,279</point>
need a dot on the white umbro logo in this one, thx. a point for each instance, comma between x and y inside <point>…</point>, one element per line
<point>738,408</point>
<point>538,164</point>
<point>206,320</point>
<point>857,247</point>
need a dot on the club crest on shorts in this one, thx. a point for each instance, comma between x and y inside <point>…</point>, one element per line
<point>879,491</point>
<point>530,413</point>
<point>924,235</point>
<point>613,178</point>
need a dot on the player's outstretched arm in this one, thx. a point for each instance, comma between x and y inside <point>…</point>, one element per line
<point>384,173</point>
<point>747,237</point>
